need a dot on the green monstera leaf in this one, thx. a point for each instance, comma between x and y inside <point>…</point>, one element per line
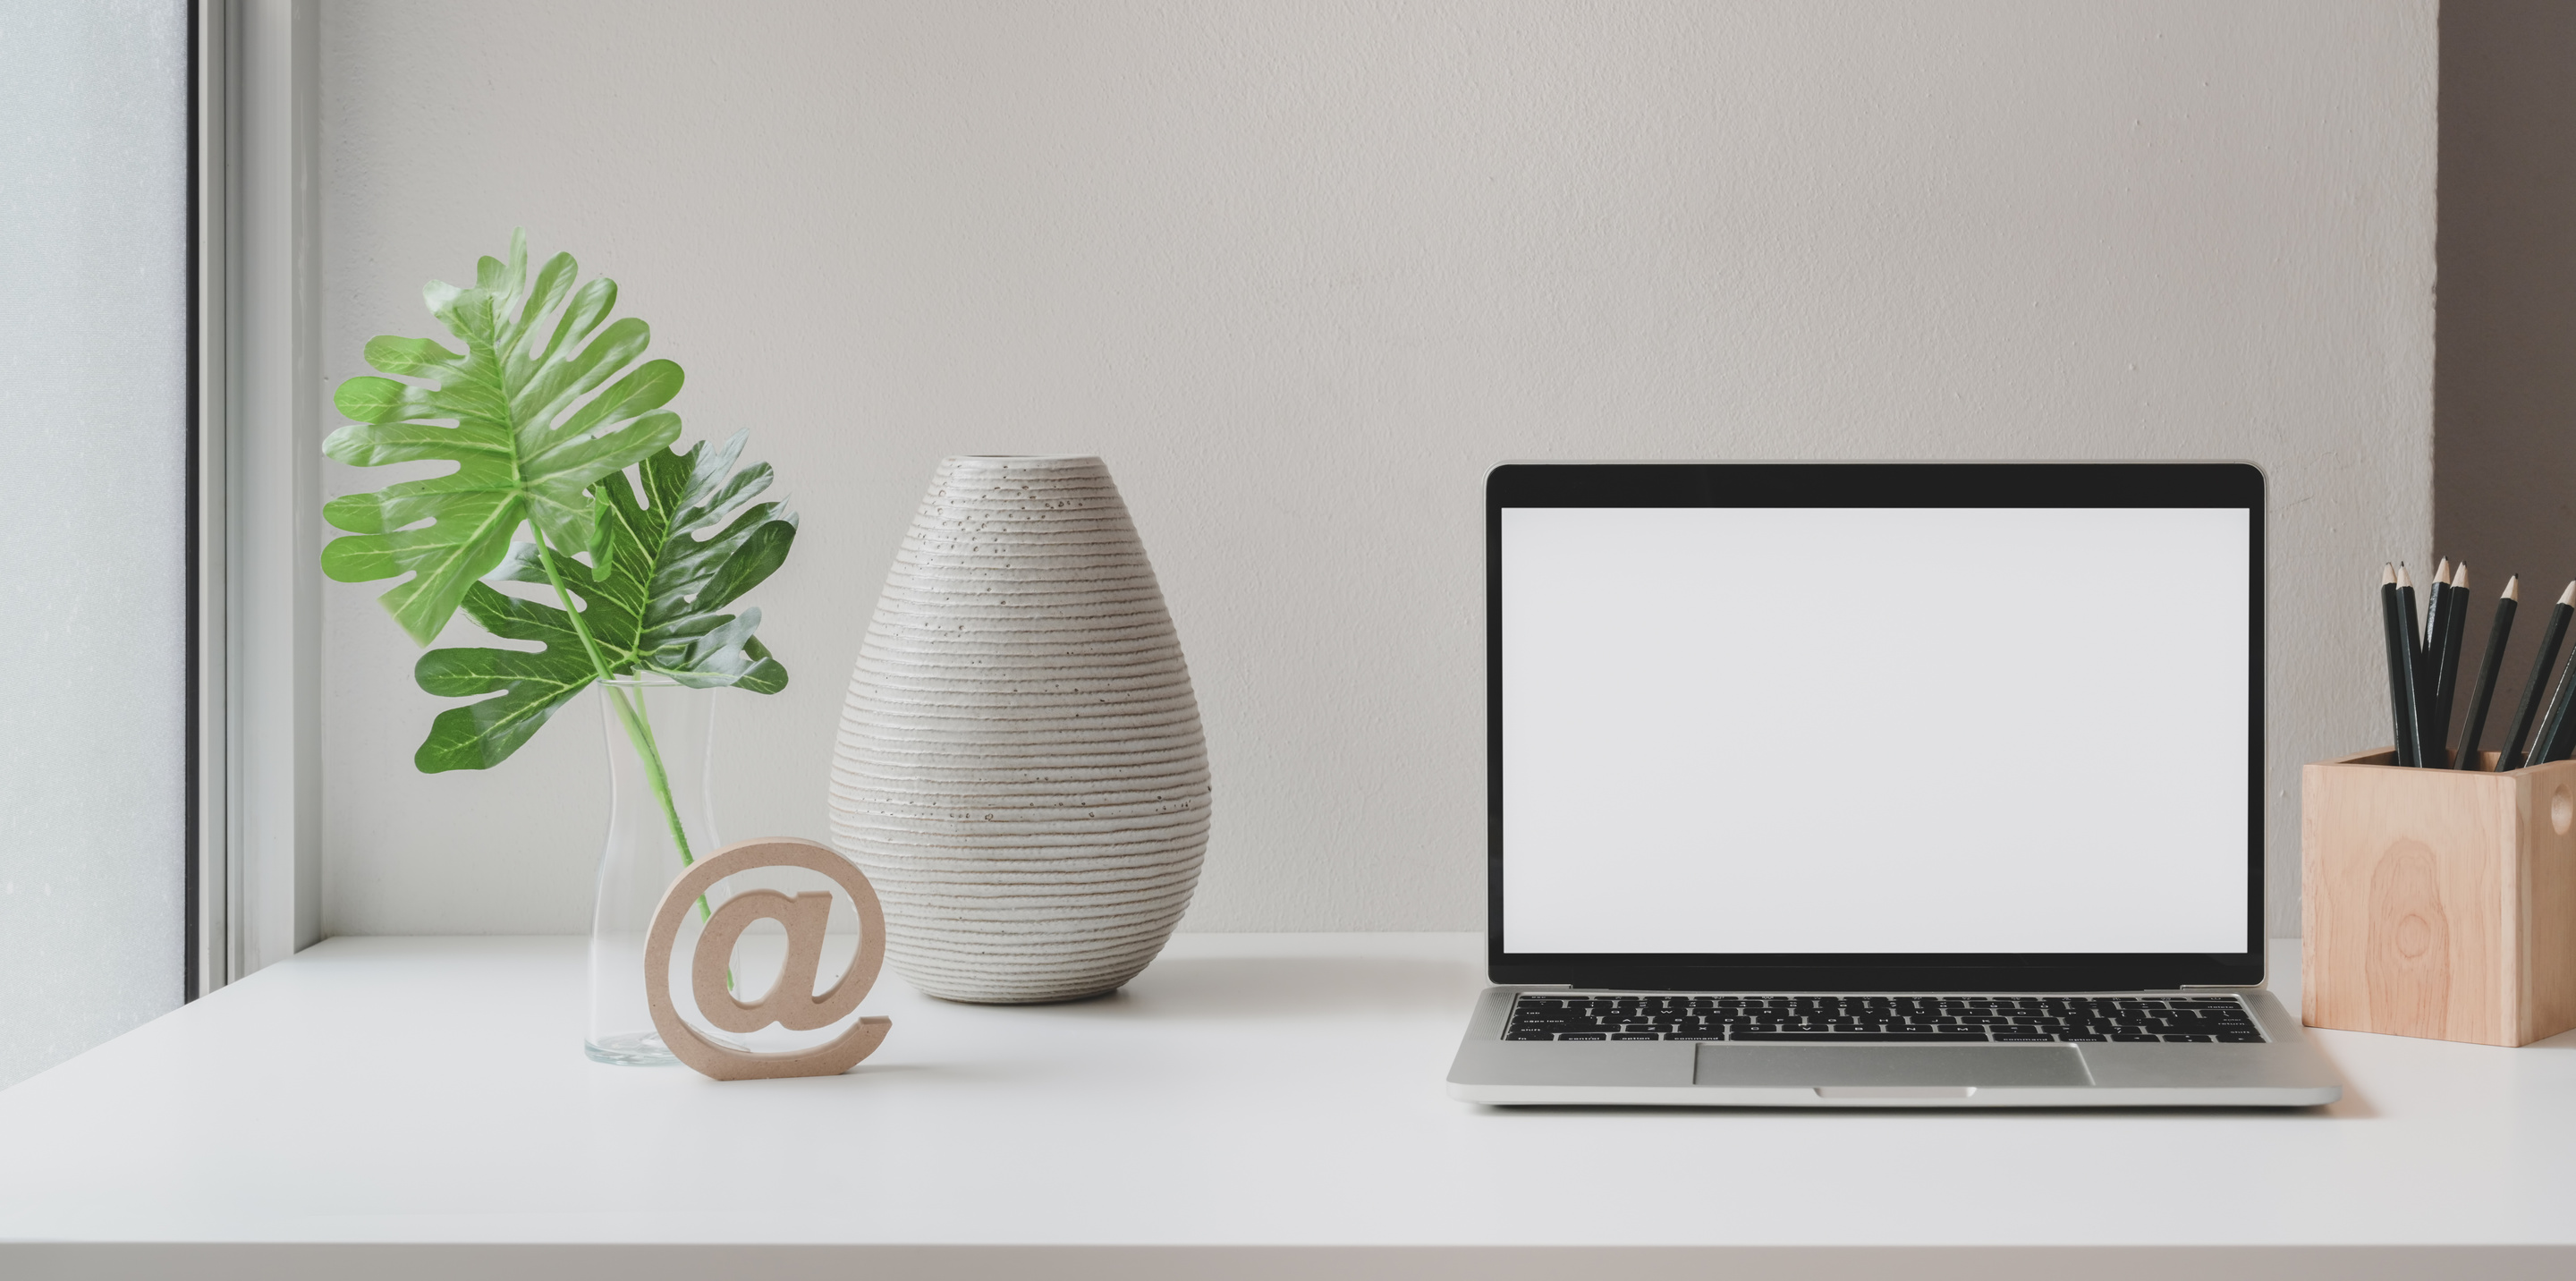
<point>529,437</point>
<point>652,599</point>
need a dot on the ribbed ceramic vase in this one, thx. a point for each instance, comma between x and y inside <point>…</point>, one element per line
<point>1020,770</point>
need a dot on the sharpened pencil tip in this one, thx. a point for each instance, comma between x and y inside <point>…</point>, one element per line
<point>2513,587</point>
<point>2388,574</point>
<point>2442,571</point>
<point>2568,597</point>
<point>2459,575</point>
<point>2402,580</point>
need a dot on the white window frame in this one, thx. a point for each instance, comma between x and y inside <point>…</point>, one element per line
<point>255,856</point>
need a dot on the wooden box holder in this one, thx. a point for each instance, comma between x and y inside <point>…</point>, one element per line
<point>2439,903</point>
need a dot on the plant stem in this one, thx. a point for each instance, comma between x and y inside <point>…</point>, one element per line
<point>639,731</point>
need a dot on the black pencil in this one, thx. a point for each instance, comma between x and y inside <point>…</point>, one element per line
<point>2442,647</point>
<point>2483,691</point>
<point>2434,731</point>
<point>2415,686</point>
<point>2433,602</point>
<point>2414,629</point>
<point>2551,636</point>
<point>2557,731</point>
<point>2426,643</point>
<point>2401,665</point>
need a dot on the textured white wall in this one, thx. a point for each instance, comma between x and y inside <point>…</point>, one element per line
<point>1302,272</point>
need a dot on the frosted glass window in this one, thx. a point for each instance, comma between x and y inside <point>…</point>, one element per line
<point>93,543</point>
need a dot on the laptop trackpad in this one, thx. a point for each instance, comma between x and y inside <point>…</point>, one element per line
<point>1989,1066</point>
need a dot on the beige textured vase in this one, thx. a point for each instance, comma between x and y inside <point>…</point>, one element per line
<point>1020,770</point>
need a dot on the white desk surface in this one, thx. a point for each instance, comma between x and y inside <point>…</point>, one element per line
<point>1247,1091</point>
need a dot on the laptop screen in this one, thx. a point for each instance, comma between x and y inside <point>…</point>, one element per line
<point>1874,729</point>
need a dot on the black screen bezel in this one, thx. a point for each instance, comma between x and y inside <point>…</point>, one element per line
<point>1920,485</point>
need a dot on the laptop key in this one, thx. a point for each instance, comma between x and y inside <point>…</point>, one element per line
<point>1911,1020</point>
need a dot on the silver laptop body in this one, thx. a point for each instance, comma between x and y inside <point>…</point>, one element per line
<point>1878,784</point>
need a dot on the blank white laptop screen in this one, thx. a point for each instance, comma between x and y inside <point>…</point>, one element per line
<point>1816,730</point>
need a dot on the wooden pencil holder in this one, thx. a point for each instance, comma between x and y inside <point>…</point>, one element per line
<point>2439,903</point>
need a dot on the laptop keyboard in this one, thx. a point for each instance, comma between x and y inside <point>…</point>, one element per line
<point>1575,1016</point>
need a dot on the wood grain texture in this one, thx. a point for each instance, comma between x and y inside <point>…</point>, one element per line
<point>787,1001</point>
<point>1020,767</point>
<point>2439,903</point>
<point>791,1001</point>
<point>2406,963</point>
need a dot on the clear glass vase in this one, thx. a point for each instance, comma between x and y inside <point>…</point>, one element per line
<point>660,819</point>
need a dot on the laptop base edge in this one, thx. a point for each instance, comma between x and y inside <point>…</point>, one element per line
<point>1898,1097</point>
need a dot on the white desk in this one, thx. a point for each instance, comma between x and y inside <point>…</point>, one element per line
<point>1248,1093</point>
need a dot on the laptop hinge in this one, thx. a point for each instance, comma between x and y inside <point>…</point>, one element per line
<point>2216,987</point>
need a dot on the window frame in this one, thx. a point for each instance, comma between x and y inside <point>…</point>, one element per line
<point>208,909</point>
<point>253,856</point>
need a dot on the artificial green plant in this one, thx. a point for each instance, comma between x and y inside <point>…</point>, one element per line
<point>641,566</point>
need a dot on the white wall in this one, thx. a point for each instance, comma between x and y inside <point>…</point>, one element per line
<point>1302,272</point>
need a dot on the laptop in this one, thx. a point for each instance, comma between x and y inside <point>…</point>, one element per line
<point>1877,784</point>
